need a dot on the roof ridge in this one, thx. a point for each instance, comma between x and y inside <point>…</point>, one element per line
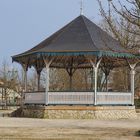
<point>89,32</point>
<point>101,30</point>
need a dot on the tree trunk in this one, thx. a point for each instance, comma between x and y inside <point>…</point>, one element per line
<point>38,81</point>
<point>70,86</point>
<point>5,96</point>
<point>106,83</point>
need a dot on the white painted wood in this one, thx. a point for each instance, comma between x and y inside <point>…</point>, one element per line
<point>75,98</point>
<point>47,83</point>
<point>47,63</point>
<point>25,69</point>
<point>95,84</point>
<point>70,97</point>
<point>132,73</point>
<point>35,98</point>
<point>114,98</point>
<point>95,66</point>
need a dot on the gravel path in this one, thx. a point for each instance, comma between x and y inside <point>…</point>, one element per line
<point>43,129</point>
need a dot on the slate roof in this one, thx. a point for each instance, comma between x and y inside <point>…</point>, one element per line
<point>79,37</point>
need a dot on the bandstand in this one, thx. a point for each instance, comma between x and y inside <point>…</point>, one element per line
<point>80,44</point>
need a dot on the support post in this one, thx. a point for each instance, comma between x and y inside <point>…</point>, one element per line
<point>47,78</point>
<point>95,67</point>
<point>25,88</point>
<point>25,69</point>
<point>95,85</point>
<point>47,63</point>
<point>132,73</point>
<point>132,84</point>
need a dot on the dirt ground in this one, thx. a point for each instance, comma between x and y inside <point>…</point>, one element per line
<point>43,129</point>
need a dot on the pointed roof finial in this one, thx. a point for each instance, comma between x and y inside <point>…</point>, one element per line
<point>81,7</point>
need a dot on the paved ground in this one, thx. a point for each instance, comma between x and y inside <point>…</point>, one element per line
<point>43,129</point>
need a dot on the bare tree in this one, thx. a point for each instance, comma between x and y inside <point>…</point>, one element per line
<point>60,81</point>
<point>9,79</point>
<point>123,23</point>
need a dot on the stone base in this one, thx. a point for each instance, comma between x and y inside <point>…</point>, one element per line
<point>80,112</point>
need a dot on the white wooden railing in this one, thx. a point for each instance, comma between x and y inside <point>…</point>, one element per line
<point>78,98</point>
<point>35,98</point>
<point>71,98</point>
<point>114,98</point>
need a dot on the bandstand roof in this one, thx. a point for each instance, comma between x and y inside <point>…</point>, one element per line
<point>80,38</point>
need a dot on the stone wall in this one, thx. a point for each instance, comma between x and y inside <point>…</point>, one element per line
<point>80,112</point>
<point>33,111</point>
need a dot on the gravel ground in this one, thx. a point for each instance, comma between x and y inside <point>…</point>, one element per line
<point>43,129</point>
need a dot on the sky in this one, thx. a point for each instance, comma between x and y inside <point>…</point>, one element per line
<point>25,23</point>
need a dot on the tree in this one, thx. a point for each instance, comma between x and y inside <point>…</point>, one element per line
<point>9,79</point>
<point>123,23</point>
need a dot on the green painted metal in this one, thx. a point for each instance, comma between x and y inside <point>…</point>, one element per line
<point>97,53</point>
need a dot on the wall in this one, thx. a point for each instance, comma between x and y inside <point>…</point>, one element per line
<point>80,112</point>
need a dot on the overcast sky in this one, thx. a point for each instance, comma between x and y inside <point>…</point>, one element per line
<point>25,23</point>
